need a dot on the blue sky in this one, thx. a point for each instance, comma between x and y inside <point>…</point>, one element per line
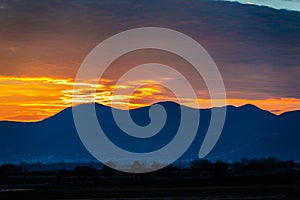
<point>278,4</point>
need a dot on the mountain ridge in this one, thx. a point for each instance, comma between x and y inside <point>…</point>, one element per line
<point>162,102</point>
<point>248,132</point>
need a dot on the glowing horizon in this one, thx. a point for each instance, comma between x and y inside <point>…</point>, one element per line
<point>30,99</point>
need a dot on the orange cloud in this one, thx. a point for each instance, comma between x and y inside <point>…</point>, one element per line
<point>31,99</point>
<point>34,99</point>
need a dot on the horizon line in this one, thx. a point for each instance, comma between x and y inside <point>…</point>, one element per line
<point>145,106</point>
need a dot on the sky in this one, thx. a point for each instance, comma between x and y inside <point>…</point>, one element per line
<point>43,43</point>
<point>277,4</point>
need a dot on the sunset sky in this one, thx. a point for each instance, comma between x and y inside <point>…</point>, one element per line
<point>43,43</point>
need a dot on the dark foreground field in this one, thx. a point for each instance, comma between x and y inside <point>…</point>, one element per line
<point>125,186</point>
<point>246,179</point>
<point>153,192</point>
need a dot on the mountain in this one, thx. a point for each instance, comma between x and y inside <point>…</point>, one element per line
<point>248,132</point>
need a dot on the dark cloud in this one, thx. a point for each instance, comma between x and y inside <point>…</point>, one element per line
<point>256,48</point>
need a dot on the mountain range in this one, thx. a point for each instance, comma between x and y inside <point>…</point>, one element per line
<point>248,132</point>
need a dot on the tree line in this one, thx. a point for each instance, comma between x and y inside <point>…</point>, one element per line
<point>198,167</point>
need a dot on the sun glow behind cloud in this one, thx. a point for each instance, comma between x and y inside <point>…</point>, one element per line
<point>34,99</point>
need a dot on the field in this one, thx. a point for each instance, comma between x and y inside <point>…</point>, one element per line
<point>177,184</point>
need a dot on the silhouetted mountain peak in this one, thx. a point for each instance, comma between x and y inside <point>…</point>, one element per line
<point>167,103</point>
<point>293,114</point>
<point>246,107</point>
<point>249,107</point>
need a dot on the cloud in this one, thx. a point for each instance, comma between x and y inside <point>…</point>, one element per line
<point>256,48</point>
<point>34,99</point>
